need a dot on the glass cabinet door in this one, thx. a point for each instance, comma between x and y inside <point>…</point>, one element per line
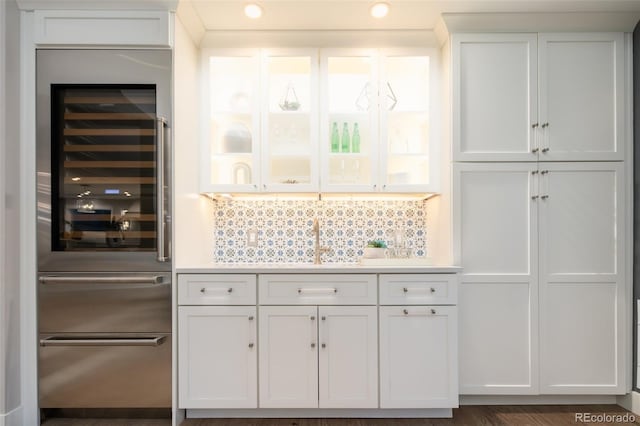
<point>231,154</point>
<point>404,123</point>
<point>289,149</point>
<point>348,141</point>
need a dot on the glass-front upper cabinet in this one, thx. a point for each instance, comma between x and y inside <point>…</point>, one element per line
<point>376,121</point>
<point>231,156</point>
<point>349,121</point>
<point>290,120</point>
<point>407,156</point>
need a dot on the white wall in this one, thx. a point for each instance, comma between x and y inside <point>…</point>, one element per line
<point>193,240</point>
<point>10,400</point>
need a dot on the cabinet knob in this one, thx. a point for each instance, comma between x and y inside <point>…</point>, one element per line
<point>433,290</point>
<point>255,186</point>
<point>384,187</point>
<point>545,149</point>
<point>250,345</point>
<point>545,125</point>
<point>544,197</point>
<point>534,197</point>
<point>202,290</point>
<point>433,312</point>
<point>324,345</point>
<point>324,318</point>
<point>406,312</point>
<point>230,290</point>
<point>544,172</point>
<point>534,125</point>
<point>250,317</point>
<point>312,318</point>
<point>313,345</point>
<point>375,186</point>
<point>534,150</point>
<point>534,172</point>
<point>404,289</point>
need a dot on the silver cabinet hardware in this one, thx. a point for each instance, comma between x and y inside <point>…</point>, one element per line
<point>230,290</point>
<point>264,186</point>
<point>534,172</point>
<point>324,345</point>
<point>544,197</point>
<point>161,125</point>
<point>545,125</point>
<point>433,312</point>
<point>406,312</point>
<point>202,290</point>
<point>250,317</point>
<point>534,197</point>
<point>110,341</point>
<point>534,150</point>
<point>255,186</point>
<point>152,279</point>
<point>317,290</point>
<point>324,318</point>
<point>375,186</point>
<point>250,345</point>
<point>433,290</point>
<point>404,289</point>
<point>545,149</point>
<point>313,345</point>
<point>312,318</point>
<point>384,187</point>
<point>544,172</point>
<point>534,125</point>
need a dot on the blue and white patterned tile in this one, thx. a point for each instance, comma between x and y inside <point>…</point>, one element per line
<point>285,228</point>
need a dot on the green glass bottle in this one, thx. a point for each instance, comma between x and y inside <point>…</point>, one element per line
<point>335,138</point>
<point>355,139</point>
<point>345,142</point>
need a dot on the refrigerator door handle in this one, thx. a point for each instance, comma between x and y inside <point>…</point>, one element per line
<point>161,219</point>
<point>110,341</point>
<point>145,279</point>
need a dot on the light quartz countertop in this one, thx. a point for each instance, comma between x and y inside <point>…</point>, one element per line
<point>310,268</point>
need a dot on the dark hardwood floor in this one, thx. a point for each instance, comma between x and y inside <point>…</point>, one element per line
<point>479,415</point>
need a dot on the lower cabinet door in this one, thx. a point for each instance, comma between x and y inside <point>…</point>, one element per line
<point>217,357</point>
<point>418,357</point>
<point>348,357</point>
<point>288,357</point>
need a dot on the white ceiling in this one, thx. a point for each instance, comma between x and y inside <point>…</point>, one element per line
<point>216,15</point>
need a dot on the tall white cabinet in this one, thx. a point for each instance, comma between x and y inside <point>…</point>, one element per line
<point>539,212</point>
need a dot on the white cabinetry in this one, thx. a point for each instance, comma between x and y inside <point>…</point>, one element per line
<point>217,356</point>
<point>322,356</point>
<point>552,97</point>
<point>542,250</point>
<point>418,343</point>
<point>387,95</point>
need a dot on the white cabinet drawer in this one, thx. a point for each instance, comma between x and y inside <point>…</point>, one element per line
<point>418,289</point>
<point>216,289</point>
<point>320,289</point>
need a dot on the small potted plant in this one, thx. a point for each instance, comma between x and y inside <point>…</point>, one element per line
<point>375,249</point>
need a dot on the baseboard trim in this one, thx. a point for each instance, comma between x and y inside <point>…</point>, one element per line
<point>631,402</point>
<point>12,418</point>
<point>322,413</point>
<point>536,399</point>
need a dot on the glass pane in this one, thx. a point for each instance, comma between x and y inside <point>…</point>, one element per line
<point>352,99</point>
<point>405,101</point>
<point>289,139</point>
<point>232,96</point>
<point>103,167</point>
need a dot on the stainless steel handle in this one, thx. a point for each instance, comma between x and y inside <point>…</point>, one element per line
<point>143,279</point>
<point>204,289</point>
<point>116,341</point>
<point>161,124</point>
<point>317,290</point>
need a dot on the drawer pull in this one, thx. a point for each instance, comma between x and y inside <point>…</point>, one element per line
<point>203,290</point>
<point>317,290</point>
<point>407,289</point>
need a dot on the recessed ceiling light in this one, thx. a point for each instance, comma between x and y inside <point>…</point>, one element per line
<point>253,11</point>
<point>379,10</point>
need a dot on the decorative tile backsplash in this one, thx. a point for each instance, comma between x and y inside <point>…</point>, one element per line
<point>285,229</point>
